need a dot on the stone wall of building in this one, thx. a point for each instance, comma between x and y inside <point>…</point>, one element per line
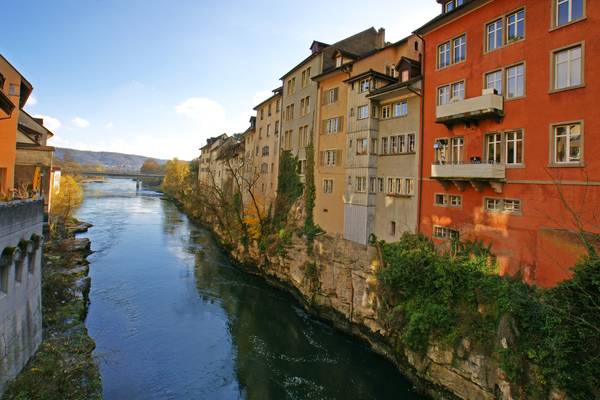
<point>20,285</point>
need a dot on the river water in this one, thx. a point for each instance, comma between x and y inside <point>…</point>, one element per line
<point>173,318</point>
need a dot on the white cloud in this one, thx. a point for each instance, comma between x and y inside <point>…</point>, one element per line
<point>49,122</point>
<point>31,101</point>
<point>79,122</point>
<point>109,125</point>
<point>201,109</point>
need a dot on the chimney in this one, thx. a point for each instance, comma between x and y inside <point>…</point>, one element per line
<point>380,38</point>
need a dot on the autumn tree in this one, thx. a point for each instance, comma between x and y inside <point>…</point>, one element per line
<point>151,166</point>
<point>175,183</point>
<point>65,201</point>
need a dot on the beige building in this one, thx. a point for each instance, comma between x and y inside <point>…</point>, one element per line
<point>351,186</point>
<point>208,174</point>
<point>396,183</point>
<point>300,91</point>
<point>33,166</point>
<point>262,150</point>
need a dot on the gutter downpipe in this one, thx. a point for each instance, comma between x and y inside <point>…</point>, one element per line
<point>421,134</point>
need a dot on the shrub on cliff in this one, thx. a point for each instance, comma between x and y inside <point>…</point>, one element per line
<point>65,201</point>
<point>428,296</point>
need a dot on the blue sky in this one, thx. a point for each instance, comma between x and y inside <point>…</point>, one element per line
<point>158,77</point>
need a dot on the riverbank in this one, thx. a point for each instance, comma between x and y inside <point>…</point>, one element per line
<point>63,367</point>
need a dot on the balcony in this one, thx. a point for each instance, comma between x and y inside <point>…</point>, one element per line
<point>478,175</point>
<point>487,106</point>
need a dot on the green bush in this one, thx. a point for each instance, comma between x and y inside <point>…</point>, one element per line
<point>428,296</point>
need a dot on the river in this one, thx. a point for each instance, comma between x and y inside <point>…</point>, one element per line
<point>173,318</point>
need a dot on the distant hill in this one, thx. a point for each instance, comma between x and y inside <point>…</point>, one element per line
<point>109,160</point>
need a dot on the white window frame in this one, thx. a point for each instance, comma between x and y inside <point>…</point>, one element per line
<point>362,112</point>
<point>568,143</point>
<point>571,66</point>
<point>570,19</point>
<point>512,79</point>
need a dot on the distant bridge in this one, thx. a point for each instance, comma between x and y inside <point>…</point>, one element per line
<point>122,175</point>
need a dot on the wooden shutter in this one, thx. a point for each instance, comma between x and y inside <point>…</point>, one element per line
<point>335,94</point>
<point>322,158</point>
<point>338,157</point>
<point>340,124</point>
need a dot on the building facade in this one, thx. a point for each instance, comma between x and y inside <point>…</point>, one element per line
<point>14,92</point>
<point>262,151</point>
<point>300,91</point>
<point>509,121</point>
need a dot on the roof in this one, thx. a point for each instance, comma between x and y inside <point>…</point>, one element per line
<point>361,57</point>
<point>35,124</point>
<point>394,86</point>
<point>276,93</point>
<point>409,61</point>
<point>446,16</point>
<point>371,72</point>
<point>345,53</point>
<point>310,57</point>
<point>26,86</point>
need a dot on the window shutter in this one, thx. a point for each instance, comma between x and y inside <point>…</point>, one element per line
<point>324,130</point>
<point>335,94</point>
<point>322,158</point>
<point>338,157</point>
<point>340,124</point>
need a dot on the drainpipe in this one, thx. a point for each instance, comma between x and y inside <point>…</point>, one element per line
<point>421,134</point>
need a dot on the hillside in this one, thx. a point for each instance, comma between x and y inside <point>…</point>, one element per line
<point>109,160</point>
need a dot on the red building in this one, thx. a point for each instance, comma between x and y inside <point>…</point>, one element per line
<point>511,135</point>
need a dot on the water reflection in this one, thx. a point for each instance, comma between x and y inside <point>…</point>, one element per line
<point>173,319</point>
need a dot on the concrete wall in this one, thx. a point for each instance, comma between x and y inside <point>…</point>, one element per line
<point>20,285</point>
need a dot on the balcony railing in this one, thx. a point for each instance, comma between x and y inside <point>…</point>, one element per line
<point>468,171</point>
<point>488,105</point>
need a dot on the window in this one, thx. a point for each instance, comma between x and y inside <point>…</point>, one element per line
<point>265,151</point>
<point>514,147</point>
<point>394,145</point>
<point>442,232</point>
<point>384,145</point>
<point>361,184</point>
<point>338,61</point>
<point>568,143</point>
<point>401,109</point>
<point>449,6</point>
<point>330,158</point>
<point>455,90</point>
<point>493,80</point>
<point>386,112</point>
<point>401,144</point>
<point>268,129</point>
<point>372,185</point>
<point>362,146</point>
<point>380,185</point>
<point>510,206</point>
<point>264,168</point>
<point>13,90</point>
<point>2,80</point>
<point>444,55</point>
<point>505,148</point>
<point>364,85</point>
<point>374,146</point>
<point>515,81</point>
<point>441,200</point>
<point>278,105</point>
<point>568,68</point>
<point>393,228</point>
<point>455,201</point>
<point>269,110</point>
<point>328,186</point>
<point>515,26</point>
<point>260,133</point>
<point>276,128</point>
<point>458,90</point>
<point>301,167</point>
<point>390,185</point>
<point>363,112</point>
<point>444,95</point>
<point>459,46</point>
<point>333,125</point>
<point>411,143</point>
<point>494,148</point>
<point>449,151</point>
<point>331,96</point>
<point>494,35</point>
<point>405,75</point>
<point>568,11</point>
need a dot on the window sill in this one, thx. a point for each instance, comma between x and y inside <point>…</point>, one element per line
<point>557,27</point>
<point>567,165</point>
<point>453,64</point>
<point>514,166</point>
<point>398,154</point>
<point>566,89</point>
<point>506,98</point>
<point>399,195</point>
<point>505,45</point>
<point>514,213</point>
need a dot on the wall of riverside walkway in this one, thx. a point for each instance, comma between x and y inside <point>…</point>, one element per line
<point>21,224</point>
